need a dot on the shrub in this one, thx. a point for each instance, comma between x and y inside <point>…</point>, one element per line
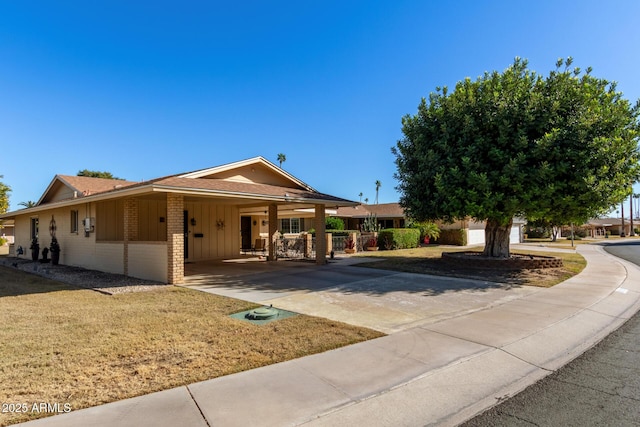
<point>427,229</point>
<point>349,243</point>
<point>399,238</point>
<point>456,237</point>
<point>337,233</point>
<point>538,233</point>
<point>3,241</point>
<point>333,223</point>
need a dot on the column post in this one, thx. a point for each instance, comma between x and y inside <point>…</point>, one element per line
<point>273,228</point>
<point>130,230</point>
<point>321,240</point>
<point>175,238</point>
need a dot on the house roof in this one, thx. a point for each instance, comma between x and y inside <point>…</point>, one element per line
<point>605,222</point>
<point>254,179</point>
<point>79,186</point>
<point>383,210</point>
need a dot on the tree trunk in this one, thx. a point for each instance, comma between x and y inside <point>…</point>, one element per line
<point>496,238</point>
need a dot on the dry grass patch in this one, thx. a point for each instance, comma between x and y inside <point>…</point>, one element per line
<point>427,260</point>
<point>80,347</point>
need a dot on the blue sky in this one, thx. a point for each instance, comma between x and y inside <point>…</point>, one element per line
<point>147,89</point>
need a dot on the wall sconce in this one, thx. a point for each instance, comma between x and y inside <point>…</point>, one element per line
<point>265,222</point>
<point>220,224</point>
<point>193,222</point>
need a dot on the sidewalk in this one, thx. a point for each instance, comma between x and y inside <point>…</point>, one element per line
<point>432,374</point>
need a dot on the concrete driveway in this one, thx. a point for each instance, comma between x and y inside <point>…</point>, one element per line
<point>383,300</point>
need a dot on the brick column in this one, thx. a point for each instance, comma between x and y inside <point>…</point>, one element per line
<point>273,227</point>
<point>130,229</point>
<point>321,240</point>
<point>175,238</point>
<point>308,245</point>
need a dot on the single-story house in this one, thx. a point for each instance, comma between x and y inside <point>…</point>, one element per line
<point>391,215</point>
<point>600,227</point>
<point>6,230</point>
<point>150,229</point>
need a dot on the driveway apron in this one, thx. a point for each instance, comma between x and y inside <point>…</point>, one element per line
<point>383,300</point>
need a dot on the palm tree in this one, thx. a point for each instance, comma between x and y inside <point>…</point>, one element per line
<point>366,200</point>
<point>281,158</point>
<point>360,196</point>
<point>378,185</point>
<point>27,204</point>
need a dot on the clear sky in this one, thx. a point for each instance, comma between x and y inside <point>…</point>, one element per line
<point>147,89</point>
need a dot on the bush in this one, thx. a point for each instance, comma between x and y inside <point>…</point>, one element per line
<point>538,233</point>
<point>399,238</point>
<point>340,232</point>
<point>3,241</point>
<point>427,229</point>
<point>456,237</point>
<point>333,223</point>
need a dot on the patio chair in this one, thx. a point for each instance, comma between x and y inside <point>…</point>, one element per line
<point>260,245</point>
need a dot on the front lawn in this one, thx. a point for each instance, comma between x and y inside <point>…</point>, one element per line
<point>83,348</point>
<point>427,260</point>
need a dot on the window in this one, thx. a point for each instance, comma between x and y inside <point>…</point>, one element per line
<point>34,228</point>
<point>290,225</point>
<point>74,222</point>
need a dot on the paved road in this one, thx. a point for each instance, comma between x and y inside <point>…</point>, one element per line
<point>600,388</point>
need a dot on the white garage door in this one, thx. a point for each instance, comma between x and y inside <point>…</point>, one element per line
<point>514,237</point>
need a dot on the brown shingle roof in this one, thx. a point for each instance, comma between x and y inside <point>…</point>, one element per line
<point>245,188</point>
<point>87,185</point>
<point>384,210</point>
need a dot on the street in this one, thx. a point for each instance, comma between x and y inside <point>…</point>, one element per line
<point>599,388</point>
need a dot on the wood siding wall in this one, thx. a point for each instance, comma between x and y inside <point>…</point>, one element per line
<point>216,242</point>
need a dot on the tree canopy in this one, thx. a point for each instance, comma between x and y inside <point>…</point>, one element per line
<point>96,174</point>
<point>561,148</point>
<point>4,196</point>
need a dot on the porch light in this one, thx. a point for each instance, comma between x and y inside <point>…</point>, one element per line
<point>193,222</point>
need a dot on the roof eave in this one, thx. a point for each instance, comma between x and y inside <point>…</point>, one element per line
<point>253,196</point>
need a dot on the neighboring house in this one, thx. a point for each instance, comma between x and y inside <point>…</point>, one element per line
<point>600,227</point>
<point>391,215</point>
<point>6,231</point>
<point>149,229</point>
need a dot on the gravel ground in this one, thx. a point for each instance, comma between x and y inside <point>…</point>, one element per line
<point>107,283</point>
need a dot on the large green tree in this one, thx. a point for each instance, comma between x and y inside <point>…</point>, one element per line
<point>4,196</point>
<point>97,174</point>
<point>561,148</point>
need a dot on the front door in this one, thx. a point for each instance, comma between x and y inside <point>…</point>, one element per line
<point>245,232</point>
<point>186,234</point>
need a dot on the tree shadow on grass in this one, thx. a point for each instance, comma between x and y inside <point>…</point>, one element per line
<point>381,279</point>
<point>495,277</point>
<point>14,282</point>
<point>21,277</point>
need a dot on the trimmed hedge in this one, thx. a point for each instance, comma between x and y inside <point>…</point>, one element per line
<point>398,238</point>
<point>339,232</point>
<point>456,237</point>
<point>333,223</point>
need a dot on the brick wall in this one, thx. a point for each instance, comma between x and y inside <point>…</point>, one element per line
<point>175,238</point>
